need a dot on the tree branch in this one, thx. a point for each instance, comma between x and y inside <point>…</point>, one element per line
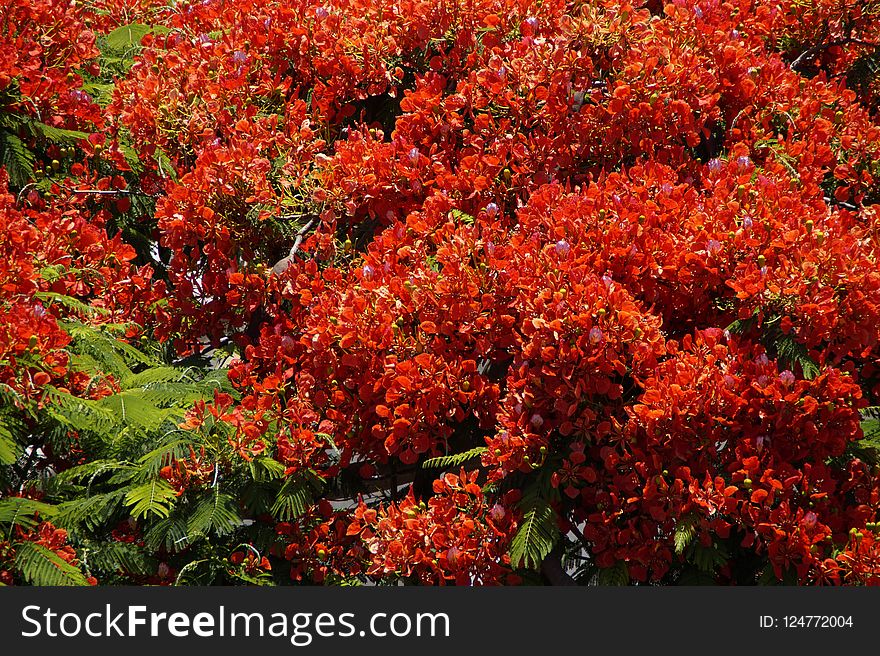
<point>281,265</point>
<point>810,52</point>
<point>554,571</point>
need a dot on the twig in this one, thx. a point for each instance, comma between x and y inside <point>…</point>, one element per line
<point>281,265</point>
<point>840,203</point>
<point>810,52</point>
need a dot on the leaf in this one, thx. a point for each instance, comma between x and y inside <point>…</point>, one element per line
<point>131,408</point>
<point>118,557</point>
<point>536,535</point>
<point>70,303</point>
<point>266,469</point>
<point>89,470</point>
<point>58,135</point>
<point>617,574</point>
<point>685,530</point>
<point>101,93</point>
<point>17,158</point>
<point>215,513</point>
<point>791,352</point>
<point>295,496</point>
<point>155,497</point>
<point>871,422</point>
<point>76,413</point>
<point>161,456</point>
<point>129,36</point>
<point>453,460</point>
<point>89,512</point>
<point>43,567</point>
<point>18,511</point>
<point>707,559</point>
<point>169,534</point>
<point>10,449</point>
<point>465,218</point>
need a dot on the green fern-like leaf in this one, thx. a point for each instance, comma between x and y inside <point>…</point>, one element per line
<point>70,303</point>
<point>536,535</point>
<point>115,354</point>
<point>685,530</point>
<point>266,469</point>
<point>43,567</point>
<point>58,135</point>
<point>126,37</point>
<point>707,559</point>
<point>464,217</point>
<point>871,422</point>
<point>26,513</point>
<point>10,447</point>
<point>155,497</point>
<point>616,575</point>
<point>78,414</point>
<point>453,460</point>
<point>791,352</point>
<point>90,470</point>
<point>216,513</point>
<point>295,496</point>
<point>150,463</point>
<point>169,534</point>
<point>90,512</point>
<point>117,557</point>
<point>134,411</point>
<point>17,158</point>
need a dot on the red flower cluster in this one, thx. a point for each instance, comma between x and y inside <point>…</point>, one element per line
<point>52,258</point>
<point>620,255</point>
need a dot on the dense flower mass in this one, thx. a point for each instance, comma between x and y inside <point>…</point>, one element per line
<point>472,293</point>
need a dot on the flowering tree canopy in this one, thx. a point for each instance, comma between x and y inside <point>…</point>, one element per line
<point>480,293</point>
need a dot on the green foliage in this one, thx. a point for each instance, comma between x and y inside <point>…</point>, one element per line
<point>129,36</point>
<point>685,530</point>
<point>216,513</point>
<point>19,511</point>
<point>785,348</point>
<point>296,495</point>
<point>119,47</point>
<point>868,448</point>
<point>154,497</point>
<point>116,558</point>
<point>40,566</point>
<point>453,460</point>
<point>864,71</point>
<point>537,533</point>
<point>17,158</point>
<point>792,353</point>
<point>616,575</point>
<point>129,436</point>
<point>11,430</point>
<point>707,558</point>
